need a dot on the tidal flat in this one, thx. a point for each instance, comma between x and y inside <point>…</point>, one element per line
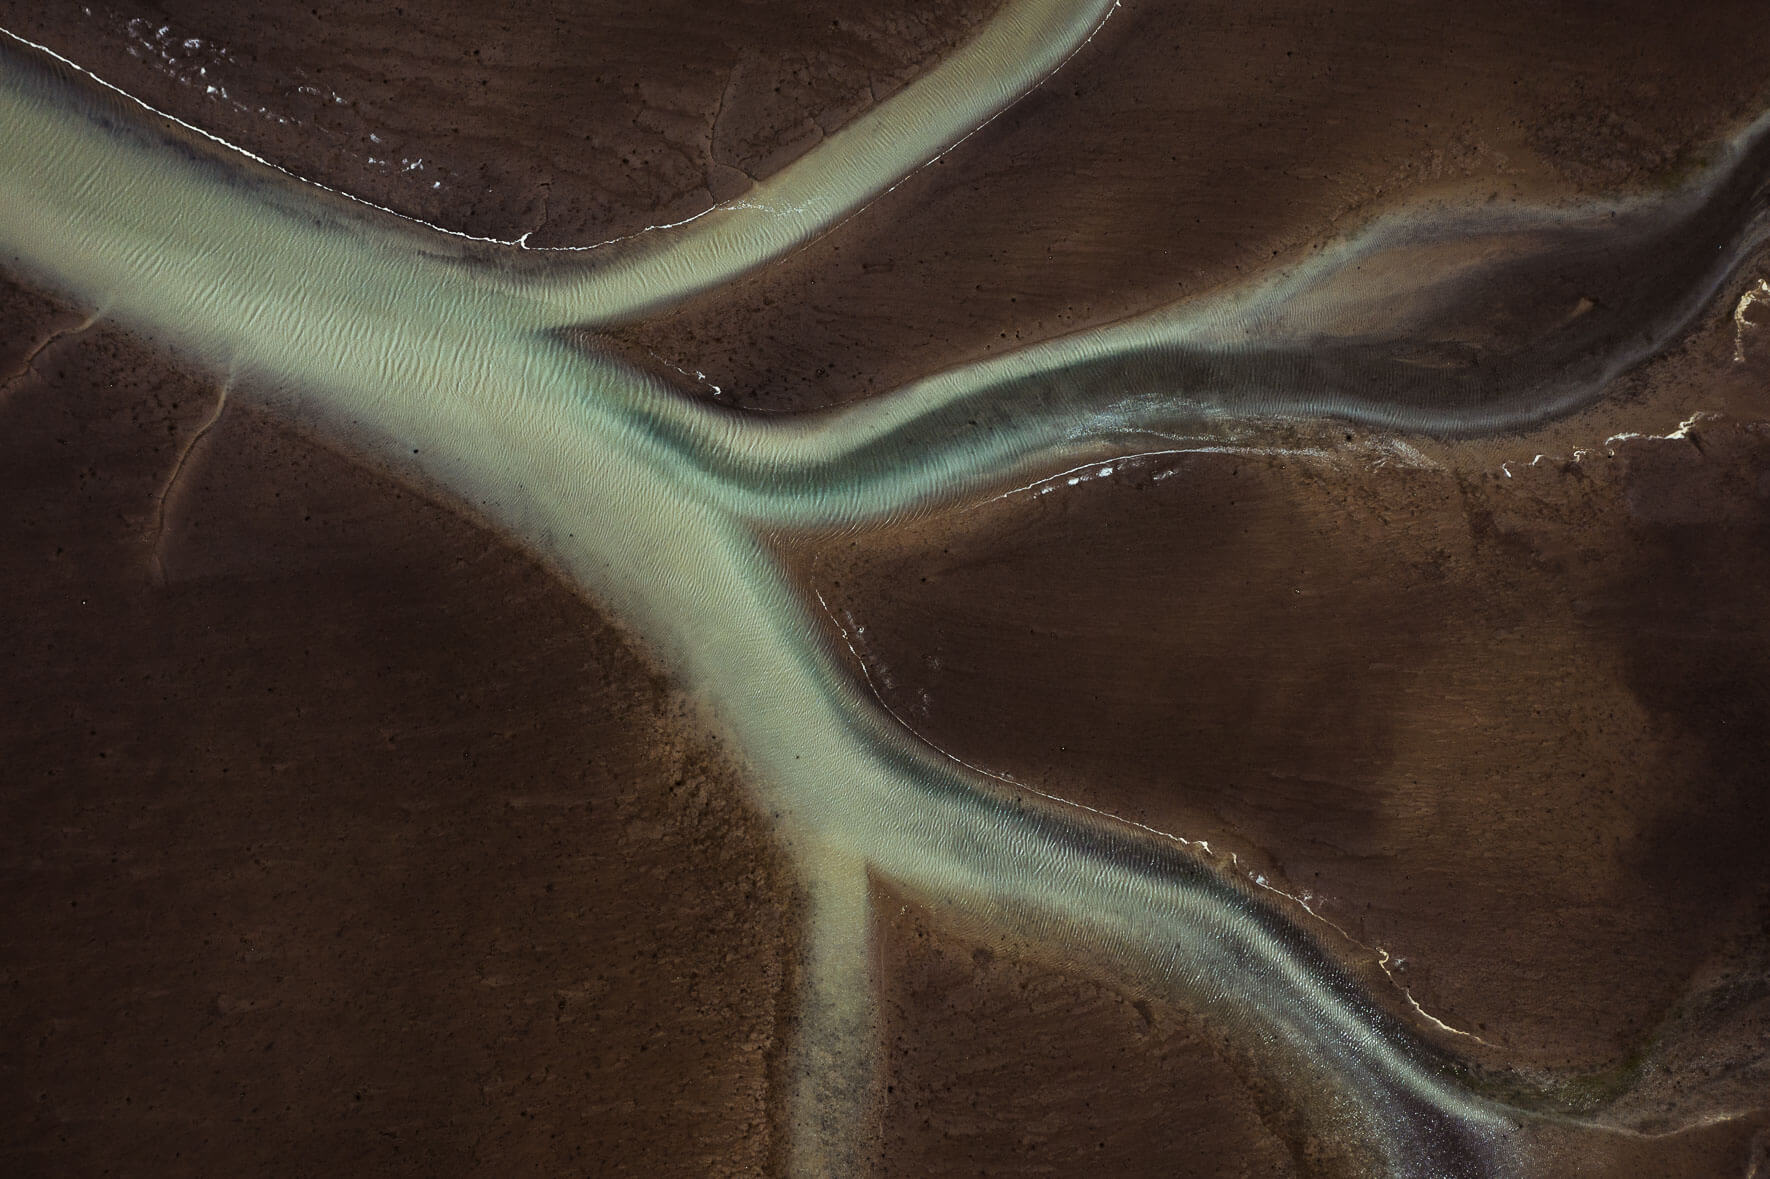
<point>1037,587</point>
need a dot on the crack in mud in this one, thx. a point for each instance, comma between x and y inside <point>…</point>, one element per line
<point>157,537</point>
<point>29,365</point>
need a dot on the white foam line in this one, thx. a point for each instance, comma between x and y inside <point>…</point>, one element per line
<point>247,153</point>
<point>1757,294</point>
<point>1679,435</point>
<point>1608,446</point>
<point>1119,460</point>
<point>1107,463</point>
<point>1383,961</point>
<point>696,375</point>
<point>1400,449</point>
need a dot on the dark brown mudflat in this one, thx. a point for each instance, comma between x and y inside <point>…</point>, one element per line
<point>1000,1065</point>
<point>1187,147</point>
<point>1734,1145</point>
<point>571,122</point>
<point>336,836</point>
<point>1510,728</point>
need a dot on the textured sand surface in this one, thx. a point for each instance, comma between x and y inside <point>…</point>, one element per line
<point>337,834</point>
<point>343,836</point>
<point>1188,147</point>
<point>573,123</point>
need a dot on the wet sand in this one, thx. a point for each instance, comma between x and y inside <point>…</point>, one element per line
<point>1507,727</point>
<point>999,1060</point>
<point>573,124</point>
<point>337,834</point>
<point>998,1064</point>
<point>1182,150</point>
<point>1493,711</point>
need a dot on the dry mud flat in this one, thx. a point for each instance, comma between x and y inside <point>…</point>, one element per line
<point>337,835</point>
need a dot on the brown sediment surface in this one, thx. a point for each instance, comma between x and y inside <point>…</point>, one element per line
<point>1507,726</point>
<point>1732,1145</point>
<point>1720,365</point>
<point>1188,147</point>
<point>996,1063</point>
<point>574,123</point>
<point>336,835</point>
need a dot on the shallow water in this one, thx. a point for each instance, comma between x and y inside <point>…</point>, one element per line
<point>448,364</point>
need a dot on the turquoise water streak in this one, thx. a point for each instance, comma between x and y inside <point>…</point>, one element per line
<point>450,366</point>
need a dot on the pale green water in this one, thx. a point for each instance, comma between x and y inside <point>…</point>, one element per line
<point>451,370</point>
